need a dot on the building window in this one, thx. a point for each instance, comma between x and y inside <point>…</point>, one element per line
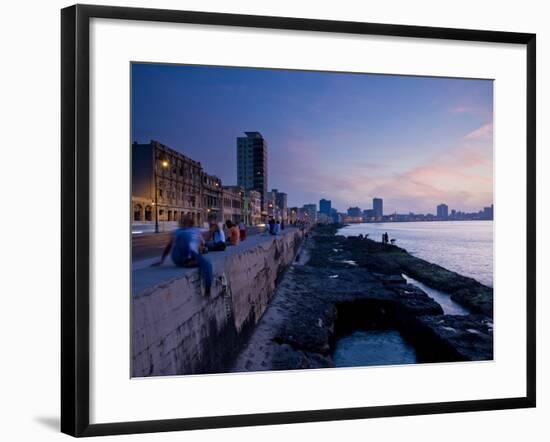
<point>137,212</point>
<point>148,213</point>
<point>169,215</point>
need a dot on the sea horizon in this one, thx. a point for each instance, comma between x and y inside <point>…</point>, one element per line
<point>462,246</point>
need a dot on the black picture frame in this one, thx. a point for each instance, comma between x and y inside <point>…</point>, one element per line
<point>75,212</point>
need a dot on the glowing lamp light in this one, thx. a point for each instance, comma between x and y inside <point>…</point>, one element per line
<point>164,163</point>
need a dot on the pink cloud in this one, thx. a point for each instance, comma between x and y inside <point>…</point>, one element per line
<point>462,178</point>
<point>461,109</point>
<point>484,133</point>
<point>475,110</point>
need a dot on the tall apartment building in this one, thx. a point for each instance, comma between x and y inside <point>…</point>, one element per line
<point>378,207</point>
<point>252,164</point>
<point>276,205</point>
<point>282,203</point>
<point>325,206</point>
<point>443,211</point>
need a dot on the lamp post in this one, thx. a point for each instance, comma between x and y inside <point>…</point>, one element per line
<point>164,164</point>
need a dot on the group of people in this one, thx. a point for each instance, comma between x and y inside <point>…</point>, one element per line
<point>188,245</point>
<point>216,236</point>
<point>274,227</point>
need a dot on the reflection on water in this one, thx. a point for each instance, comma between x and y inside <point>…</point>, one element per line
<point>465,247</point>
<point>373,347</point>
<point>443,299</point>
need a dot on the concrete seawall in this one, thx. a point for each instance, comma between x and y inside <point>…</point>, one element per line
<point>177,330</point>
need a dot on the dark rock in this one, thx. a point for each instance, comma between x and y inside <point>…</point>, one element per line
<point>324,299</point>
<point>470,336</point>
<point>393,261</point>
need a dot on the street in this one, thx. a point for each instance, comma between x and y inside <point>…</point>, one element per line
<point>150,245</point>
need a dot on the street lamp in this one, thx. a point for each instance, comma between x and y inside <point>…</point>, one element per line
<point>164,164</point>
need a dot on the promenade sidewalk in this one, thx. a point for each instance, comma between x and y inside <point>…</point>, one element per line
<point>145,277</point>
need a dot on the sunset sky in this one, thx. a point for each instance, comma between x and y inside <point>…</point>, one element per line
<point>414,141</point>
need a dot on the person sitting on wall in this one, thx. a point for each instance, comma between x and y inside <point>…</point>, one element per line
<point>242,230</point>
<point>277,228</point>
<point>216,241</point>
<point>234,234</point>
<point>186,244</point>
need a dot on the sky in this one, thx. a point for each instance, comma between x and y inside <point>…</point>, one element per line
<point>414,141</point>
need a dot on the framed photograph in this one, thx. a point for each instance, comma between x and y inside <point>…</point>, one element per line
<point>272,220</point>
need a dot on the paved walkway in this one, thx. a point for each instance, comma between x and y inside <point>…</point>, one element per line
<point>149,245</point>
<point>144,276</point>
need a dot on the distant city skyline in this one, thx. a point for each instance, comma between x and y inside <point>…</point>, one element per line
<point>413,141</point>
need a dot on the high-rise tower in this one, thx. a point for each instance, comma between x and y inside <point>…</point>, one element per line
<point>252,163</point>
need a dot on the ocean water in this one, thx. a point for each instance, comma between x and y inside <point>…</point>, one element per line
<point>465,247</point>
<point>449,306</point>
<point>373,347</point>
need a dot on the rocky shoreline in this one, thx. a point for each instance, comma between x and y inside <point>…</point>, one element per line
<point>346,284</point>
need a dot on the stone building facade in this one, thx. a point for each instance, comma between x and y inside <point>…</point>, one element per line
<point>167,184</point>
<point>178,186</point>
<point>233,203</point>
<point>253,207</point>
<point>212,195</point>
